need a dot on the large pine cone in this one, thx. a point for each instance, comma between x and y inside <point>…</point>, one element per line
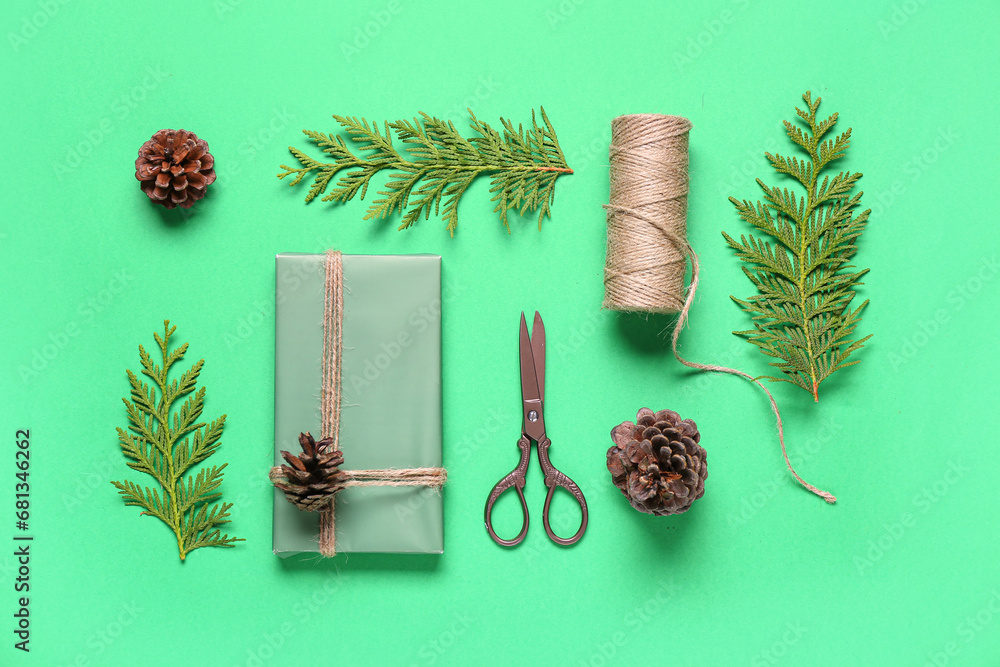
<point>311,479</point>
<point>175,168</point>
<point>657,462</point>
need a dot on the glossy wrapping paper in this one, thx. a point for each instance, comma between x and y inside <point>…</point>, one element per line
<point>391,385</point>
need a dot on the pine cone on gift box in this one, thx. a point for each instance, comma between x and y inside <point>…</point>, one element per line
<point>657,462</point>
<point>175,168</point>
<point>312,478</point>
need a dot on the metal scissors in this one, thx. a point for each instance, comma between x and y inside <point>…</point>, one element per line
<point>532,355</point>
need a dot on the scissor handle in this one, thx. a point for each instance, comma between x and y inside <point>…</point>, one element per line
<point>515,478</point>
<point>555,478</point>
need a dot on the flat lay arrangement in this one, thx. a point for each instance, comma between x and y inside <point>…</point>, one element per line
<point>802,316</point>
<point>409,334</point>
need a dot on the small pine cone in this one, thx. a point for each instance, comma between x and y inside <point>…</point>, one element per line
<point>175,168</point>
<point>657,462</point>
<point>311,479</point>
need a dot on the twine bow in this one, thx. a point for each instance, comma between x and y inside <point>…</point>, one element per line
<point>333,343</point>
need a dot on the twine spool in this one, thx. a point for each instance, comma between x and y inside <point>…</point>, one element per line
<point>648,248</point>
<point>647,214</point>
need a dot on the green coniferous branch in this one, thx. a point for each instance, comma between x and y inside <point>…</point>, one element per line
<point>166,443</point>
<point>802,314</point>
<point>436,167</point>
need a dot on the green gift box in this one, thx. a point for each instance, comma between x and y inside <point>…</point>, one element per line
<point>391,396</point>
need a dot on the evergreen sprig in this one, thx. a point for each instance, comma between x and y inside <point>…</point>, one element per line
<point>802,313</point>
<point>437,166</point>
<point>166,444</point>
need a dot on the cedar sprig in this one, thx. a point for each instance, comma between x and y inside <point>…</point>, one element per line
<point>436,166</point>
<point>802,314</point>
<point>166,444</point>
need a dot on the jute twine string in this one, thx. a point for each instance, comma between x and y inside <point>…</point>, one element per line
<point>333,347</point>
<point>647,213</point>
<point>330,402</point>
<point>647,234</point>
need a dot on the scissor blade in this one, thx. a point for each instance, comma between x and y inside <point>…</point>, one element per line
<point>538,353</point>
<point>529,381</point>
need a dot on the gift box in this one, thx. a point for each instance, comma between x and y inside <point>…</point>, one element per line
<point>390,415</point>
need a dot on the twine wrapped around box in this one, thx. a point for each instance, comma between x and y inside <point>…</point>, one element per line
<point>330,412</point>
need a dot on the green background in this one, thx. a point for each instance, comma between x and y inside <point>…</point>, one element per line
<point>901,571</point>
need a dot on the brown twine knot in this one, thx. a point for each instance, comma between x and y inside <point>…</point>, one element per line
<point>648,249</point>
<point>330,401</point>
<point>323,500</point>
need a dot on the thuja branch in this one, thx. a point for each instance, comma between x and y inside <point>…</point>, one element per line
<point>802,313</point>
<point>436,166</point>
<point>165,443</point>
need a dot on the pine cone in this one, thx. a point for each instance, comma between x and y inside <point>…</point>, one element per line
<point>657,462</point>
<point>175,168</point>
<point>312,478</point>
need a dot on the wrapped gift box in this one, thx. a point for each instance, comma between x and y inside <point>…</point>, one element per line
<point>391,386</point>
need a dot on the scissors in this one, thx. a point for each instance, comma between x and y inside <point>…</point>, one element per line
<point>532,355</point>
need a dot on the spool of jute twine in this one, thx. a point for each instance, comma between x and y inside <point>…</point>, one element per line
<point>647,213</point>
<point>648,250</point>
